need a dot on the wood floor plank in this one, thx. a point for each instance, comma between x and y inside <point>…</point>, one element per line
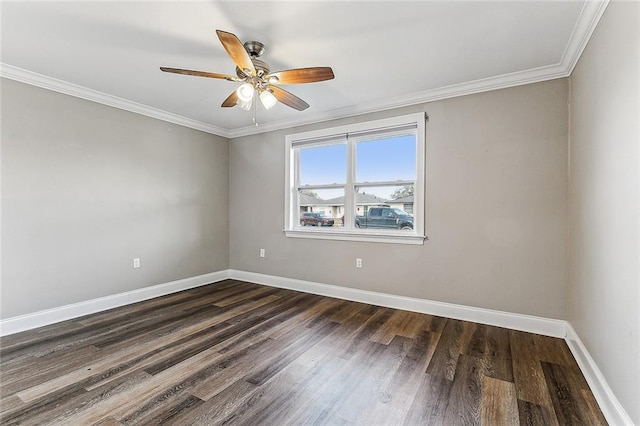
<point>566,385</point>
<point>11,404</point>
<point>258,361</point>
<point>314,313</point>
<point>398,396</point>
<point>324,370</point>
<point>162,408</point>
<point>465,398</point>
<point>241,353</point>
<point>430,402</point>
<point>14,342</point>
<point>455,336</point>
<point>326,400</point>
<point>552,350</point>
<point>198,368</point>
<point>436,324</point>
<point>590,401</point>
<point>309,383</point>
<point>491,344</point>
<point>240,296</point>
<point>221,336</point>
<point>531,414</point>
<point>375,318</point>
<point>70,402</point>
<point>23,375</point>
<point>401,323</point>
<point>373,384</point>
<point>331,396</point>
<point>499,405</point>
<point>270,370</point>
<point>108,421</point>
<point>261,375</point>
<point>270,402</point>
<point>215,410</point>
<point>527,370</point>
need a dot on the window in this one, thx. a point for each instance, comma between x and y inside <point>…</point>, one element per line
<point>363,182</point>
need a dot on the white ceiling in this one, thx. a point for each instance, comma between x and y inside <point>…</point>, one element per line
<point>384,53</point>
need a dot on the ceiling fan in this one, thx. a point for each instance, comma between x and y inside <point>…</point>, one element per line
<point>257,78</point>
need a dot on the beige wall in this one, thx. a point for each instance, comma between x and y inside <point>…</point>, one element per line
<point>86,188</point>
<point>496,208</point>
<point>604,199</point>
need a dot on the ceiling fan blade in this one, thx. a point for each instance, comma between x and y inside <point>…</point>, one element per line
<point>289,99</point>
<point>300,75</point>
<point>231,101</point>
<point>238,53</point>
<point>200,73</point>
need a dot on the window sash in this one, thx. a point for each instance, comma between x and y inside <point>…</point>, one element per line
<point>390,131</point>
<point>351,135</point>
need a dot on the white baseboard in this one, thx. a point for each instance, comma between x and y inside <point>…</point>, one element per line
<point>532,324</point>
<point>75,310</point>
<point>609,404</point>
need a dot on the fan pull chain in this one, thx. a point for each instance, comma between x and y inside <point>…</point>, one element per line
<point>253,110</point>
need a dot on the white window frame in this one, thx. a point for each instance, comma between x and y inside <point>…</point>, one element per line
<point>350,232</point>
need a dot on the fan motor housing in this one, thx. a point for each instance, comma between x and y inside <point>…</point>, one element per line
<point>255,49</point>
<point>262,68</point>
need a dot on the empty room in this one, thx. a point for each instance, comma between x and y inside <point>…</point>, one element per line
<point>320,212</point>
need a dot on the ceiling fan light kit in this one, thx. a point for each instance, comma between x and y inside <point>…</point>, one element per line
<point>268,100</point>
<point>245,92</point>
<point>256,76</point>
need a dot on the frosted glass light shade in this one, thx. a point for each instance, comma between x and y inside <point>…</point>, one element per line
<point>267,99</point>
<point>245,105</point>
<point>245,92</point>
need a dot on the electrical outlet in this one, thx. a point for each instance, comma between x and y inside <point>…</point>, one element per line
<point>358,262</point>
<point>136,262</point>
<point>262,252</point>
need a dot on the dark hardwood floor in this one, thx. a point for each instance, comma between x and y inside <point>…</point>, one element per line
<point>240,353</point>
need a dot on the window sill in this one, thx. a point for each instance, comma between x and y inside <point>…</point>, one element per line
<point>362,236</point>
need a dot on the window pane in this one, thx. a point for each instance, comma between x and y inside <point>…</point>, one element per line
<point>322,208</point>
<point>400,197</point>
<point>388,208</point>
<point>386,159</point>
<point>323,164</point>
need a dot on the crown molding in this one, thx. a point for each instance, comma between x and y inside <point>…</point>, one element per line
<point>590,15</point>
<point>29,77</point>
<point>504,81</point>
<point>588,19</point>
